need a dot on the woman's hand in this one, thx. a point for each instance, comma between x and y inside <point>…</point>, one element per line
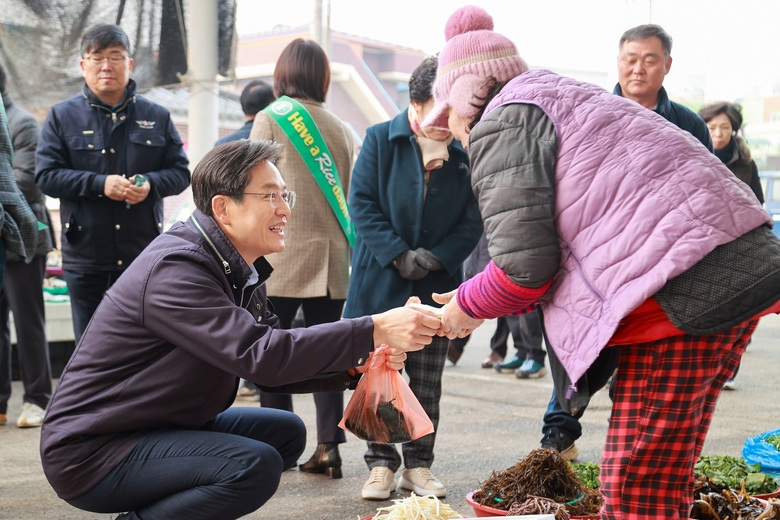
<point>454,322</point>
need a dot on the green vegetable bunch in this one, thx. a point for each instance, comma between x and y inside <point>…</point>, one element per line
<point>774,440</point>
<point>588,473</point>
<point>731,471</point>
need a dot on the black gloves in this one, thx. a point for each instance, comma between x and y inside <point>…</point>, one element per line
<point>416,264</point>
<point>407,266</point>
<point>428,260</point>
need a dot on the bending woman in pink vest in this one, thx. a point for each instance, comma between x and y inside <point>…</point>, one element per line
<point>619,227</point>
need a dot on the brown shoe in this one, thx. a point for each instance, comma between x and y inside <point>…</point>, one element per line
<point>492,360</point>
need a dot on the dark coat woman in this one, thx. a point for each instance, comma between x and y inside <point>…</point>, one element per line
<point>724,121</point>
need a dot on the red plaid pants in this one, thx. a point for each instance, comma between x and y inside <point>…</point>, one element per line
<point>663,400</point>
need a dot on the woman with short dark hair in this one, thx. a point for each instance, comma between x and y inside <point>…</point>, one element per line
<point>302,71</point>
<point>724,121</point>
<point>315,277</point>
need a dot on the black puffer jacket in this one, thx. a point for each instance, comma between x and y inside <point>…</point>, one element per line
<point>736,155</point>
<point>679,116</point>
<point>18,225</point>
<point>24,135</point>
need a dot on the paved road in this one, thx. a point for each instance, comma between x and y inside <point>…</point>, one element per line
<point>489,421</point>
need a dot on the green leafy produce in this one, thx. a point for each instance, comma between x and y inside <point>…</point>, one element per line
<point>731,471</point>
<point>774,440</point>
<point>588,473</point>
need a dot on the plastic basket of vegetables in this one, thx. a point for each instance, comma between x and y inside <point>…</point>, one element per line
<point>733,472</point>
<point>764,449</point>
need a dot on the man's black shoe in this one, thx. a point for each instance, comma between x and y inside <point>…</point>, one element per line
<point>560,442</point>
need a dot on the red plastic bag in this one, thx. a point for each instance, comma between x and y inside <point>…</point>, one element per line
<point>383,408</point>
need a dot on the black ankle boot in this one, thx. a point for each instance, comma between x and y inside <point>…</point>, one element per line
<point>326,460</point>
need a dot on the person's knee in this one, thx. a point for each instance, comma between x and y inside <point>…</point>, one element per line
<point>259,479</point>
<point>296,443</point>
<point>288,439</point>
<point>264,466</point>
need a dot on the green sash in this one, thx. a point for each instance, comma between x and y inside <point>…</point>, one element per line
<point>297,123</point>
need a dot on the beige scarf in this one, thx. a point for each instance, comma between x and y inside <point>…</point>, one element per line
<point>434,152</point>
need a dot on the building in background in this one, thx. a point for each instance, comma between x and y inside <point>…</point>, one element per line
<point>762,129</point>
<point>369,78</point>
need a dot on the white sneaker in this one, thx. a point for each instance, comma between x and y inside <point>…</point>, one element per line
<point>422,482</point>
<point>379,485</point>
<point>31,416</point>
<point>248,394</point>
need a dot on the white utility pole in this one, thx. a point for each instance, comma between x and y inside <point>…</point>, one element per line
<point>202,57</point>
<point>320,30</point>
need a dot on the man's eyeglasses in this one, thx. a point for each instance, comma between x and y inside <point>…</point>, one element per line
<point>276,196</point>
<point>114,59</point>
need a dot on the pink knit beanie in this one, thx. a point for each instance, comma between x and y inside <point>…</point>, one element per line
<point>473,53</point>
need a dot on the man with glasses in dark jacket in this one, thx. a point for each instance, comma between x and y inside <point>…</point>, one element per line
<point>141,421</point>
<point>110,156</point>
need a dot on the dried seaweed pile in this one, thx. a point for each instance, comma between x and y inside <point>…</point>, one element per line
<point>542,473</point>
<point>387,425</point>
<point>714,501</point>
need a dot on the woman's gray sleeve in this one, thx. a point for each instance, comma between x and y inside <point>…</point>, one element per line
<point>513,156</point>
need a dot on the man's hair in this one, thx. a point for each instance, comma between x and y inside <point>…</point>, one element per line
<point>421,81</point>
<point>227,170</point>
<point>650,30</point>
<point>732,110</point>
<point>2,79</point>
<point>302,71</point>
<point>256,96</point>
<point>102,36</point>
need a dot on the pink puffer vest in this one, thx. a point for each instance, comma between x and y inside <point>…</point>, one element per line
<point>638,201</point>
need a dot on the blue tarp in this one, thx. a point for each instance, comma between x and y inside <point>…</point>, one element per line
<point>758,451</point>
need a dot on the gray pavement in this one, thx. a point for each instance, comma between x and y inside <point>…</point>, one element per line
<point>489,421</point>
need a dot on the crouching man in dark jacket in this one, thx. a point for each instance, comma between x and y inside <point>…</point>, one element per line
<point>141,419</point>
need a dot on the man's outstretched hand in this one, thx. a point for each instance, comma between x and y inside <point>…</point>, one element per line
<point>407,328</point>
